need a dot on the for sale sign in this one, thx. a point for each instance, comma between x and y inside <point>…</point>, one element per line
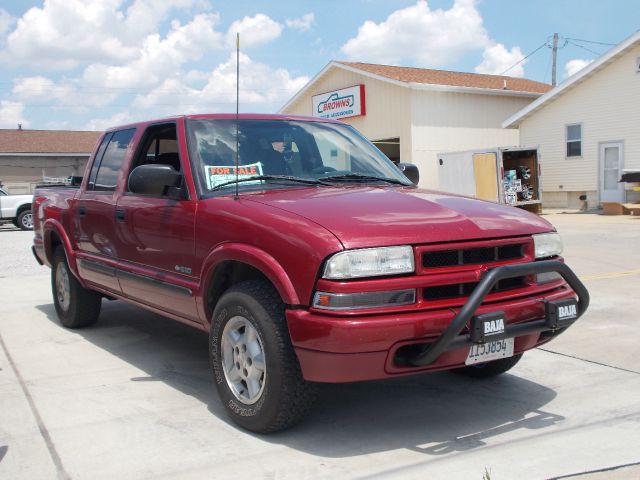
<point>219,174</point>
<point>347,102</point>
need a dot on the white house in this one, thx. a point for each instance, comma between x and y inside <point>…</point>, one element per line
<point>588,130</point>
<point>411,114</point>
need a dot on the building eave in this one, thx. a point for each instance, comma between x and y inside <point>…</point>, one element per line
<point>410,85</point>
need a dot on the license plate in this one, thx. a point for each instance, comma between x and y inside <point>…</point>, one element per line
<point>485,352</point>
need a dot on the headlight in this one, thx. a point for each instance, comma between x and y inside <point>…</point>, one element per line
<point>370,262</point>
<point>547,245</point>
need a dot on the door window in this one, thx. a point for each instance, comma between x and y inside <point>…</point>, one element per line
<point>159,146</point>
<point>107,176</point>
<point>611,167</point>
<point>96,161</point>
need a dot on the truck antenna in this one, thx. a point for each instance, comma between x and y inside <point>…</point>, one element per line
<point>237,109</point>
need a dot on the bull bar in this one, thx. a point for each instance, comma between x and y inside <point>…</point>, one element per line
<point>451,338</point>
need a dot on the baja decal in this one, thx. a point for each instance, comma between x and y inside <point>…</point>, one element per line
<point>493,327</point>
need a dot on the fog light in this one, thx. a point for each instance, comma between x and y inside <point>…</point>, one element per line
<point>354,301</point>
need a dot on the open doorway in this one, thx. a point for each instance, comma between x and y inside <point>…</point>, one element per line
<point>390,147</point>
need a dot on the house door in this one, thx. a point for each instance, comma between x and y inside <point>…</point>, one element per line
<point>611,164</point>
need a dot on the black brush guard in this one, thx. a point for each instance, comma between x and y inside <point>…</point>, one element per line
<point>451,338</point>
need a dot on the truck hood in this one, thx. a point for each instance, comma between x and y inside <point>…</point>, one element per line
<point>365,216</point>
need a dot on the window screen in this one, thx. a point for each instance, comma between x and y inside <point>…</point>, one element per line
<point>107,176</point>
<point>574,140</point>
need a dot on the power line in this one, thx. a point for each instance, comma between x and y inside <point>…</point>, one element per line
<point>523,59</point>
<point>591,41</point>
<point>585,48</point>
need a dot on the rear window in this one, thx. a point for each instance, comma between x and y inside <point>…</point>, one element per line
<point>107,176</point>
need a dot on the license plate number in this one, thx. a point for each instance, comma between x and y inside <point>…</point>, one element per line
<point>486,352</point>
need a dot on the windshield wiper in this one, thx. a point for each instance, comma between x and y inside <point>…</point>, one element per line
<point>357,177</point>
<point>286,178</point>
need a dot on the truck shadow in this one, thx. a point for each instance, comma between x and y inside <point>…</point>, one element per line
<point>434,414</point>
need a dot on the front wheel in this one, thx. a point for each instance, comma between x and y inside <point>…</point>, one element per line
<point>76,306</point>
<point>255,367</point>
<point>489,369</point>
<point>25,220</point>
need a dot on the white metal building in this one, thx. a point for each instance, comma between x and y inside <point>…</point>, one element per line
<point>414,113</point>
<point>28,157</point>
<point>588,130</point>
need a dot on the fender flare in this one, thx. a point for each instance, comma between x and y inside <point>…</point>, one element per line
<point>254,257</point>
<point>49,227</point>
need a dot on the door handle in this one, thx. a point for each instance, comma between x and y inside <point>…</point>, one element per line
<point>82,210</point>
<point>120,214</point>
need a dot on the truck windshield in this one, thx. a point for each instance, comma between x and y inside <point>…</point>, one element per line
<point>273,152</point>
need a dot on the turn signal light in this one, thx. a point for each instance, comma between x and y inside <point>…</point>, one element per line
<point>360,300</point>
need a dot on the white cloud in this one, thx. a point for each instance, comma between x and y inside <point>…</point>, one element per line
<point>256,30</point>
<point>260,86</point>
<point>11,114</point>
<point>39,87</point>
<point>160,58</point>
<point>303,23</point>
<point>419,34</point>
<point>574,66</point>
<point>497,58</point>
<point>6,21</point>
<point>116,119</point>
<point>65,33</point>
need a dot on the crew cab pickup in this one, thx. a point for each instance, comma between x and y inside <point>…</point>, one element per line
<point>16,209</point>
<point>304,253</point>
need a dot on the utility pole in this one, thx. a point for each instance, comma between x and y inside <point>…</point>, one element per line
<point>555,57</point>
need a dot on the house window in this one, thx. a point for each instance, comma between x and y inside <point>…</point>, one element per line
<point>574,140</point>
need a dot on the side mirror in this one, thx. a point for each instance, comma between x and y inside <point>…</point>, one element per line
<point>410,171</point>
<point>153,179</point>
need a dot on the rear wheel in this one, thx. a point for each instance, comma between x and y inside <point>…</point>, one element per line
<point>489,369</point>
<point>255,367</point>
<point>76,306</point>
<point>25,220</point>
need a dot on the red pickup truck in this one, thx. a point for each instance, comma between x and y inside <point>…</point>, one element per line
<point>315,260</point>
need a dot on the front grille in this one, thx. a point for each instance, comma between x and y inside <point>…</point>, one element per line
<point>472,256</point>
<point>442,292</point>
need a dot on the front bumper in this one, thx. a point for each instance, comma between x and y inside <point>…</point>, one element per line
<point>338,349</point>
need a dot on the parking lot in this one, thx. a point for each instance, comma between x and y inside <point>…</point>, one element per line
<point>132,397</point>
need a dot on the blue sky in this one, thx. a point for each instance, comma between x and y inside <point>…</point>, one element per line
<point>90,64</point>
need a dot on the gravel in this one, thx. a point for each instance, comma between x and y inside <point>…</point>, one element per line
<point>15,253</point>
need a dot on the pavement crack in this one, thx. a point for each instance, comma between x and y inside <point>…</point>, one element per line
<point>599,470</point>
<point>55,457</point>
<point>590,361</point>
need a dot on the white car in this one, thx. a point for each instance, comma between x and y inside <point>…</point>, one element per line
<point>16,209</point>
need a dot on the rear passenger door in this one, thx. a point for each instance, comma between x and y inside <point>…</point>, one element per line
<point>95,213</point>
<point>156,233</point>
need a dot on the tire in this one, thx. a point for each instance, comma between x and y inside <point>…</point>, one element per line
<point>249,330</point>
<point>25,220</point>
<point>489,369</point>
<point>76,306</point>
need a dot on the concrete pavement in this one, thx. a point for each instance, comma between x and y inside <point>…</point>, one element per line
<point>132,397</point>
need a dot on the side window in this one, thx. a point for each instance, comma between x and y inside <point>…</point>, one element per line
<point>574,140</point>
<point>96,161</point>
<point>107,176</point>
<point>159,146</point>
